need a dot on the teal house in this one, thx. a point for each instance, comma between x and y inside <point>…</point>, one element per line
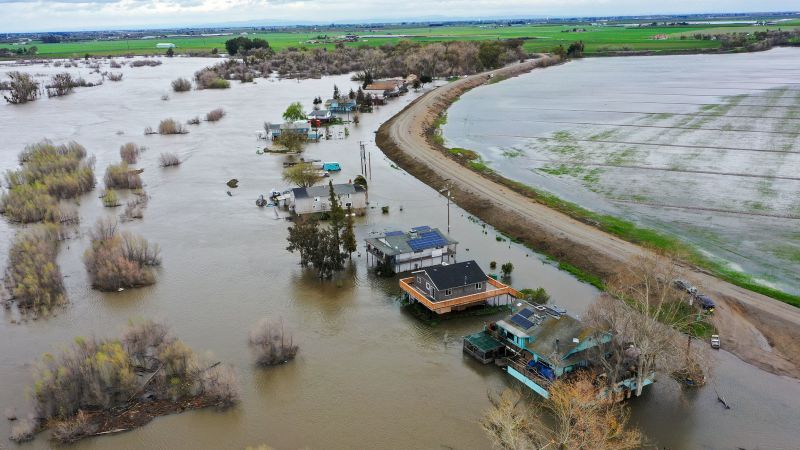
<point>542,343</point>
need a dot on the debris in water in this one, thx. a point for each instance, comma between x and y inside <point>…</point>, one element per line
<point>233,183</point>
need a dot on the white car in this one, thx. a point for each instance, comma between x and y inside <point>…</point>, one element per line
<point>715,341</point>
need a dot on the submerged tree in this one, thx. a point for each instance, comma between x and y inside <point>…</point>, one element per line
<point>294,112</point>
<point>33,278</point>
<point>646,316</point>
<point>581,420</point>
<point>272,343</point>
<point>22,88</point>
<point>302,175</point>
<point>349,243</point>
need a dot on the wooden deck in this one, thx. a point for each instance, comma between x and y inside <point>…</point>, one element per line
<point>445,306</point>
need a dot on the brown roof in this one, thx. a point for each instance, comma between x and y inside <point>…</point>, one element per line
<point>384,85</point>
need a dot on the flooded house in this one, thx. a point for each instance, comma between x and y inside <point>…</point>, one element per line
<point>302,127</point>
<point>340,105</point>
<point>316,199</point>
<point>453,287</point>
<point>401,251</point>
<point>539,344</point>
<point>386,88</point>
<point>321,115</point>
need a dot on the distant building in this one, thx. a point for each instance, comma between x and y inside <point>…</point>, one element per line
<point>340,105</point>
<point>386,88</point>
<point>298,127</point>
<point>165,45</point>
<point>403,251</point>
<point>323,115</point>
<point>453,287</point>
<point>316,199</point>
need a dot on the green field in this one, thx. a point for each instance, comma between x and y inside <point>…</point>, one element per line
<point>598,39</point>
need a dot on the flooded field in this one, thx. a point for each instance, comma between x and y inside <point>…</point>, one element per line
<point>368,375</point>
<point>704,147</point>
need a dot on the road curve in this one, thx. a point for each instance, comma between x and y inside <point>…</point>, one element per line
<point>758,329</point>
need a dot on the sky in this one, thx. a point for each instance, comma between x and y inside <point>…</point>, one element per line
<point>55,15</point>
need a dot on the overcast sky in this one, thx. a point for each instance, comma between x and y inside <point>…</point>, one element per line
<point>53,15</point>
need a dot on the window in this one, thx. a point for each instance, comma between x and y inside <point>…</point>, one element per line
<point>448,292</point>
<point>316,199</point>
<point>427,286</point>
<point>478,286</point>
<point>348,204</point>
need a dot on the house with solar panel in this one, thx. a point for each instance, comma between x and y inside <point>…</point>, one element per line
<point>539,344</point>
<point>453,287</point>
<point>403,251</point>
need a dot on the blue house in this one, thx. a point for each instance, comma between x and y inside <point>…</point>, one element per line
<point>340,105</point>
<point>542,343</point>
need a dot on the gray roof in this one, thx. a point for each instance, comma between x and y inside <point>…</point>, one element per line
<point>324,190</point>
<point>319,113</point>
<point>396,243</point>
<point>455,275</point>
<point>548,326</point>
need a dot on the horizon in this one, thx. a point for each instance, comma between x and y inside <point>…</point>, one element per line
<point>129,15</point>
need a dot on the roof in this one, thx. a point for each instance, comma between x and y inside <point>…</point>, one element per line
<point>319,113</point>
<point>324,191</point>
<point>419,238</point>
<point>546,325</point>
<point>384,85</point>
<point>483,341</point>
<point>455,275</point>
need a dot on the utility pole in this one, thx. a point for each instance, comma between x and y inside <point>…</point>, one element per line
<point>447,190</point>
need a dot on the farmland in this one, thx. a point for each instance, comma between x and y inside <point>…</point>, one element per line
<point>538,38</point>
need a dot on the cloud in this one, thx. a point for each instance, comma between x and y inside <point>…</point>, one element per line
<point>45,15</point>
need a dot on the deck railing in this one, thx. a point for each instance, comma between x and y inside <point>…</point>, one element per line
<point>445,306</point>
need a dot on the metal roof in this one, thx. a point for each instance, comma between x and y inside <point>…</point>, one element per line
<point>398,242</point>
<point>324,190</point>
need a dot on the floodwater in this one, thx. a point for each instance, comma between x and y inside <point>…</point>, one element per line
<point>368,375</point>
<point>703,147</point>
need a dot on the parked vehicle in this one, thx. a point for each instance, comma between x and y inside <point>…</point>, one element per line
<point>715,341</point>
<point>331,166</point>
<point>685,286</point>
<point>706,303</point>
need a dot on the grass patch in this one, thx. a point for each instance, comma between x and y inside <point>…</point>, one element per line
<point>581,275</point>
<point>464,153</point>
<point>563,169</point>
<point>513,153</point>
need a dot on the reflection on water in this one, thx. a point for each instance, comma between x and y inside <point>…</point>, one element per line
<point>368,374</point>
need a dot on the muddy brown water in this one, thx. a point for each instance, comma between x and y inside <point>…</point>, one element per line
<point>368,375</point>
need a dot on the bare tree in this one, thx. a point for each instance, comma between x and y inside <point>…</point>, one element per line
<point>646,316</point>
<point>580,418</point>
<point>272,343</point>
<point>22,87</point>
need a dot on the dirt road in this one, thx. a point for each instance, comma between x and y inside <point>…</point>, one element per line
<point>758,329</point>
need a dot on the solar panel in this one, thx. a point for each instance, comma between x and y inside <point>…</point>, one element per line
<point>521,321</point>
<point>526,313</point>
<point>427,239</point>
<point>422,228</point>
<point>394,233</point>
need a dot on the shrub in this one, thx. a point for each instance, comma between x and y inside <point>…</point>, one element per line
<point>219,83</point>
<point>149,130</point>
<point>23,430</point>
<point>101,375</point>
<point>110,199</point>
<point>33,278</point>
<point>538,295</point>
<point>145,62</point>
<point>171,126</point>
<point>30,203</point>
<point>120,176</point>
<point>193,121</point>
<point>22,88</point>
<point>134,209</point>
<point>506,269</point>
<point>114,76</point>
<point>493,265</point>
<point>181,85</point>
<point>272,344</point>
<point>211,78</point>
<point>215,115</point>
<point>114,64</point>
<point>130,152</point>
<point>60,84</point>
<point>169,159</point>
<point>119,260</point>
